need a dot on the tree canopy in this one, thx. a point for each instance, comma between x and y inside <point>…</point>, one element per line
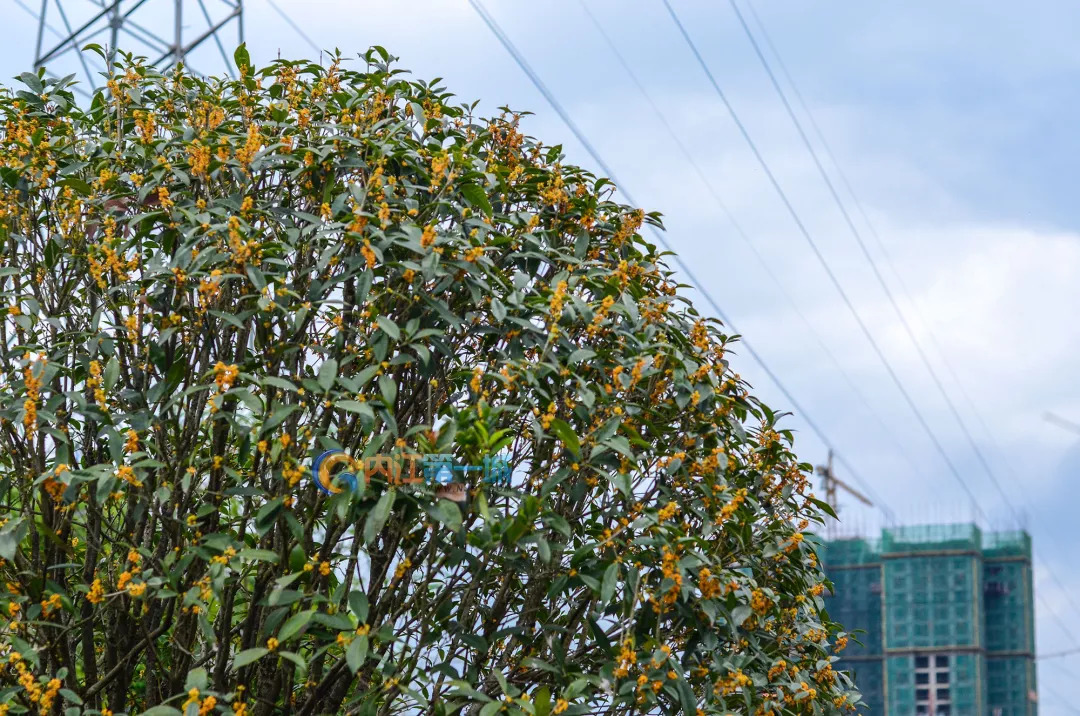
<point>207,282</point>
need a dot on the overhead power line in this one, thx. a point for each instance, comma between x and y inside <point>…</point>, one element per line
<point>781,287</point>
<point>870,259</point>
<point>980,455</point>
<point>824,263</point>
<point>292,23</point>
<point>523,64</point>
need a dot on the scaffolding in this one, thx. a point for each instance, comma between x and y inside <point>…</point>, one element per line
<point>946,618</point>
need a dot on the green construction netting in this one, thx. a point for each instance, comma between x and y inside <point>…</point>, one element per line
<point>1009,680</point>
<point>962,690</point>
<point>931,538</point>
<point>851,552</point>
<point>856,603</point>
<point>869,679</point>
<point>1007,606</point>
<point>932,602</point>
<point>1007,544</point>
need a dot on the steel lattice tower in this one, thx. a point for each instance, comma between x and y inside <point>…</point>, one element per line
<point>164,31</point>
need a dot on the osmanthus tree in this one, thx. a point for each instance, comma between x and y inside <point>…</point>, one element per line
<point>206,282</point>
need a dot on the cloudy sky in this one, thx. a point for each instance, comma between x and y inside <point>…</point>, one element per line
<point>955,123</point>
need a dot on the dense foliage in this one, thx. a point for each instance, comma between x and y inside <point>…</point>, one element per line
<point>206,282</point>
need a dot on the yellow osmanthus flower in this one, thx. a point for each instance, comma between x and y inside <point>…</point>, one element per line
<point>439,164</point>
<point>53,603</point>
<point>627,658</point>
<point>225,375</point>
<point>252,145</point>
<point>731,507</point>
<point>145,123</point>
<point>759,602</point>
<point>198,158</point>
<point>667,512</point>
<point>709,585</point>
<point>127,474</point>
<point>733,682</point>
<point>96,595</point>
<point>669,567</point>
<point>428,236</point>
<point>32,379</point>
<point>209,289</point>
<point>368,253</point>
<point>164,198</point>
<point>555,307</point>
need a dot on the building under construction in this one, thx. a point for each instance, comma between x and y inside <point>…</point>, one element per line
<point>946,616</point>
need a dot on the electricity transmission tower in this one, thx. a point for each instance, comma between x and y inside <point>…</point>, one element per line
<point>164,31</point>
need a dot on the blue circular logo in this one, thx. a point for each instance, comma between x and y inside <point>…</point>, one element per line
<point>334,465</point>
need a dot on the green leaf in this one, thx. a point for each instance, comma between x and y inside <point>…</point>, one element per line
<point>388,389</point>
<point>279,383</point>
<point>448,513</point>
<point>196,679</point>
<point>31,80</point>
<point>248,398</point>
<point>228,318</point>
<point>161,711</point>
<point>357,653</point>
<point>10,536</point>
<point>268,514</point>
<point>620,445</point>
<point>294,658</point>
<point>355,406</point>
<point>257,278</point>
<point>278,417</point>
<point>542,701</point>
<point>328,374</point>
<point>611,577</point>
<point>389,327</point>
<point>498,310</point>
<point>566,434</point>
<point>740,614</point>
<point>358,602</point>
<point>97,49</point>
<point>112,372</point>
<point>477,197</point>
<point>242,58</point>
<point>259,555</point>
<point>378,516</point>
<point>687,698</point>
<point>581,354</point>
<point>295,624</point>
